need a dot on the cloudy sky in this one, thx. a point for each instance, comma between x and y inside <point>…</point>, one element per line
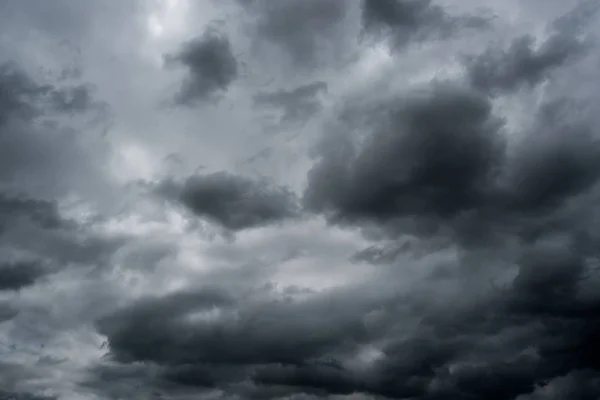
<point>300,199</point>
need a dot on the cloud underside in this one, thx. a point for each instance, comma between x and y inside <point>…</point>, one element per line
<point>232,201</point>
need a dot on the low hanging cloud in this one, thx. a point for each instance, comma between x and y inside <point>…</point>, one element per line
<point>233,201</point>
<point>210,64</point>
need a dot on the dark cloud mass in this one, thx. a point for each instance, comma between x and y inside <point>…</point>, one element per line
<point>211,67</point>
<point>424,226</point>
<point>435,155</point>
<point>15,276</point>
<point>234,201</point>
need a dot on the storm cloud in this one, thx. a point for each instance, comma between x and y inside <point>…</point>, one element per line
<point>210,64</point>
<point>408,21</point>
<point>424,224</point>
<point>234,201</point>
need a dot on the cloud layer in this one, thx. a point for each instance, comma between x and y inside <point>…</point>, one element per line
<point>300,200</point>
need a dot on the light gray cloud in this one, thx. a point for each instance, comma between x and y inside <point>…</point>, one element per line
<point>297,104</point>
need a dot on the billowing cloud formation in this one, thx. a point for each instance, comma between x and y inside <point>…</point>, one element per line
<point>434,155</point>
<point>527,63</point>
<point>424,225</point>
<point>211,67</point>
<point>234,201</point>
<point>441,161</point>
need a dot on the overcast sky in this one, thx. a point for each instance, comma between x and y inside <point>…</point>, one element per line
<point>299,199</point>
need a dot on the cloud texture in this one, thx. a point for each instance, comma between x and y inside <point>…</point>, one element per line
<point>300,200</point>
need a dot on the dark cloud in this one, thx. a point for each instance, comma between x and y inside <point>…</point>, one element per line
<point>257,332</point>
<point>581,385</point>
<point>535,329</point>
<point>38,230</point>
<point>297,105</point>
<point>406,21</point>
<point>234,201</point>
<point>24,98</point>
<point>12,376</point>
<point>15,276</point>
<point>305,30</point>
<point>558,160</point>
<point>521,64</point>
<point>38,144</point>
<point>435,155</point>
<point>226,337</point>
<point>211,67</point>
<point>525,63</point>
<point>4,395</point>
<point>438,163</point>
<point>41,212</point>
<point>7,312</point>
<point>479,272</point>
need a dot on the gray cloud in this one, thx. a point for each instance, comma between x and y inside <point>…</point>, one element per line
<point>440,162</point>
<point>434,156</point>
<point>410,21</point>
<point>38,145</point>
<point>297,105</point>
<point>305,31</point>
<point>288,344</point>
<point>211,67</point>
<point>4,395</point>
<point>444,245</point>
<point>243,333</point>
<point>234,201</point>
<point>14,276</point>
<point>527,63</point>
<point>521,64</point>
<point>7,312</point>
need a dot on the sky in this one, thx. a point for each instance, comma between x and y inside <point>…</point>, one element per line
<point>300,199</point>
